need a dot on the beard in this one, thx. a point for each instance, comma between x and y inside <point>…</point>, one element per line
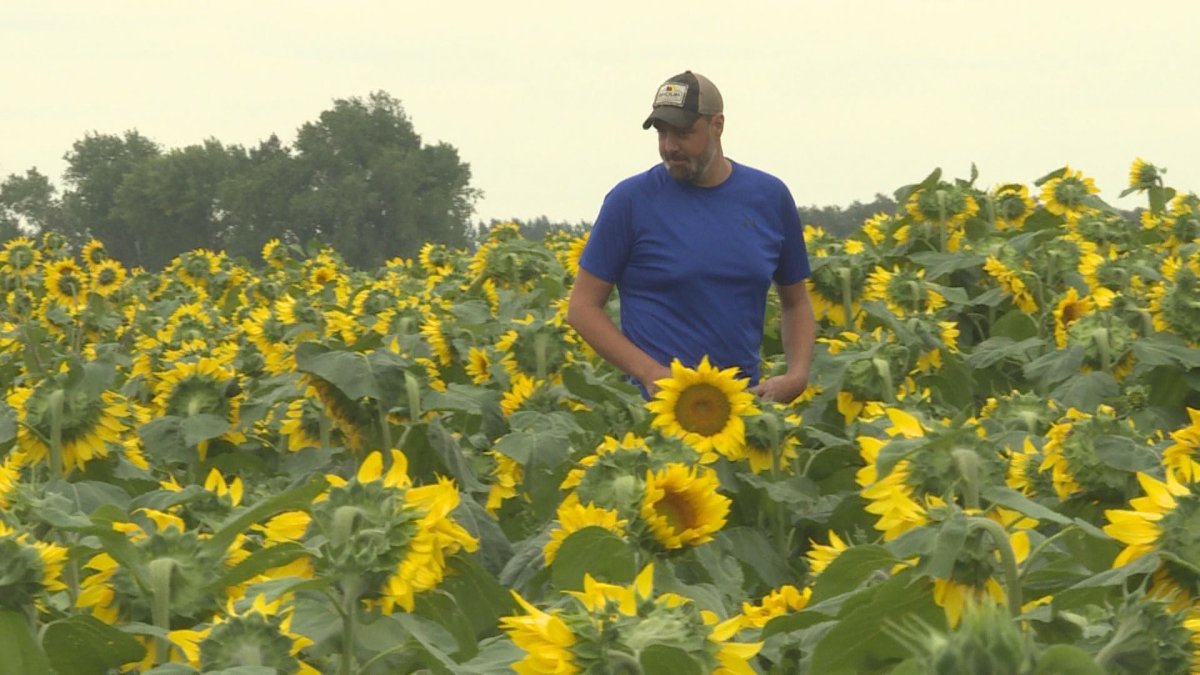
<point>689,170</point>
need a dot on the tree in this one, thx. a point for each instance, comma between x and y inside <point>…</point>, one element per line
<point>372,190</point>
<point>257,200</point>
<point>96,167</point>
<point>28,204</point>
<point>843,221</point>
<point>168,203</point>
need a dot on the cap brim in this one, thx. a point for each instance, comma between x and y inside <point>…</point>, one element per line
<point>676,117</point>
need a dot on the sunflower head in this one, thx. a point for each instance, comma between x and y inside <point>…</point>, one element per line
<point>704,406</point>
<point>20,256</point>
<point>1143,174</point>
<point>1012,204</point>
<point>681,505</point>
<point>93,253</point>
<point>942,203</point>
<point>1067,193</point>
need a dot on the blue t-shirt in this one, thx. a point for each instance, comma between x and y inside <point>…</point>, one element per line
<point>692,265</point>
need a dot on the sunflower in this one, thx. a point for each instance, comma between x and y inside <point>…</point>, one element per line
<point>780,601</point>
<point>66,283</point>
<point>93,253</point>
<point>1143,174</point>
<point>681,505</point>
<point>479,365</point>
<point>1074,465</point>
<point>87,422</point>
<point>258,635</point>
<point>1011,282</point>
<point>435,336</point>
<point>1173,301</point>
<point>546,639</point>
<point>1182,458</point>
<point>107,277</point>
<point>1066,194</point>
<point>1069,308</point>
<point>903,291</point>
<point>1165,520</point>
<point>951,205</point>
<point>1012,206</point>
<point>301,424</point>
<point>20,256</point>
<point>819,556</point>
<point>507,477</point>
<point>574,516</point>
<point>204,386</point>
<point>30,569</point>
<point>703,406</point>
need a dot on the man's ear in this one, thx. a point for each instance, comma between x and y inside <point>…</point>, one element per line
<point>718,123</point>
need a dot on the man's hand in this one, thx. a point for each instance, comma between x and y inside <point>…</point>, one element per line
<point>657,372</point>
<point>782,388</point>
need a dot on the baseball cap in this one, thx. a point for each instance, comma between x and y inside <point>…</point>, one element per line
<point>684,98</point>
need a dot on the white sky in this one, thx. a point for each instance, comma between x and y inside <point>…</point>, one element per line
<point>545,100</point>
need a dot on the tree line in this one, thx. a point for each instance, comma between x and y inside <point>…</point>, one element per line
<point>358,178</point>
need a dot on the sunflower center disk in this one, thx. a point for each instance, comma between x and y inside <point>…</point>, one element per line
<point>703,409</point>
<point>677,511</point>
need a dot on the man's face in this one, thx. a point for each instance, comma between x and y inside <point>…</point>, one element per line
<point>687,153</point>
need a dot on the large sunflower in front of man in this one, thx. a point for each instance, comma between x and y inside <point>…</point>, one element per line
<point>681,505</point>
<point>704,407</point>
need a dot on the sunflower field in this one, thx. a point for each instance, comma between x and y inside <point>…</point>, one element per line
<point>308,468</point>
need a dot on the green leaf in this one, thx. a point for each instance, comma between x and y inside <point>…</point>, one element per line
<point>164,441</point>
<point>478,593</point>
<point>494,547</point>
<point>460,398</point>
<point>1016,325</point>
<point>8,424</point>
<point>938,264</point>
<point>162,500</point>
<point>299,497</point>
<point>82,645</point>
<point>202,427</point>
<point>1086,391</point>
<point>1095,588</point>
<point>1124,454</point>
<point>861,641</point>
<point>453,460</point>
<point>660,658</point>
<point>951,535</point>
<point>751,547</point>
<point>1066,660</point>
<point>1055,366</point>
<point>442,609</point>
<point>595,551</point>
<point>849,570</point>
<point>349,371</point>
<point>999,348</point>
<point>21,654</point>
<point>1166,349</point>
<point>258,562</point>
<point>1010,498</point>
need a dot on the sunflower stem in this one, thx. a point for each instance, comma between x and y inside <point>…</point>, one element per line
<point>55,399</point>
<point>1045,542</point>
<point>781,544</point>
<point>161,570</point>
<point>412,387</point>
<point>352,589</point>
<point>384,427</point>
<point>847,295</point>
<point>1012,577</point>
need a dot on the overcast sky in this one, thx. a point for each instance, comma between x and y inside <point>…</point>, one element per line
<point>545,100</point>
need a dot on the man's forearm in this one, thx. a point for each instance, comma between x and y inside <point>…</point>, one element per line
<point>595,326</point>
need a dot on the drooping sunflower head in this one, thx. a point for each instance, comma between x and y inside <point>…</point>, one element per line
<point>93,253</point>
<point>20,256</point>
<point>1174,305</point>
<point>1013,205</point>
<point>1182,457</point>
<point>1067,193</point>
<point>574,516</point>
<point>1068,309</point>
<point>1077,470</point>
<point>1166,519</point>
<point>705,406</point>
<point>942,203</point>
<point>681,505</point>
<point>89,419</point>
<point>904,291</point>
<point>31,568</point>
<point>1143,174</point>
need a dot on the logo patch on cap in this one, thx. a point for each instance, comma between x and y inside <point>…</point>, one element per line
<point>671,93</point>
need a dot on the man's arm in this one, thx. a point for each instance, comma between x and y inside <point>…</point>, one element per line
<point>585,313</point>
<point>798,330</point>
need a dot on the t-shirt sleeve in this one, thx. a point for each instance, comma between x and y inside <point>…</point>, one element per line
<point>793,259</point>
<point>611,239</point>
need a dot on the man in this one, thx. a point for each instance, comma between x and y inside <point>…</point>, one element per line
<point>693,245</point>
